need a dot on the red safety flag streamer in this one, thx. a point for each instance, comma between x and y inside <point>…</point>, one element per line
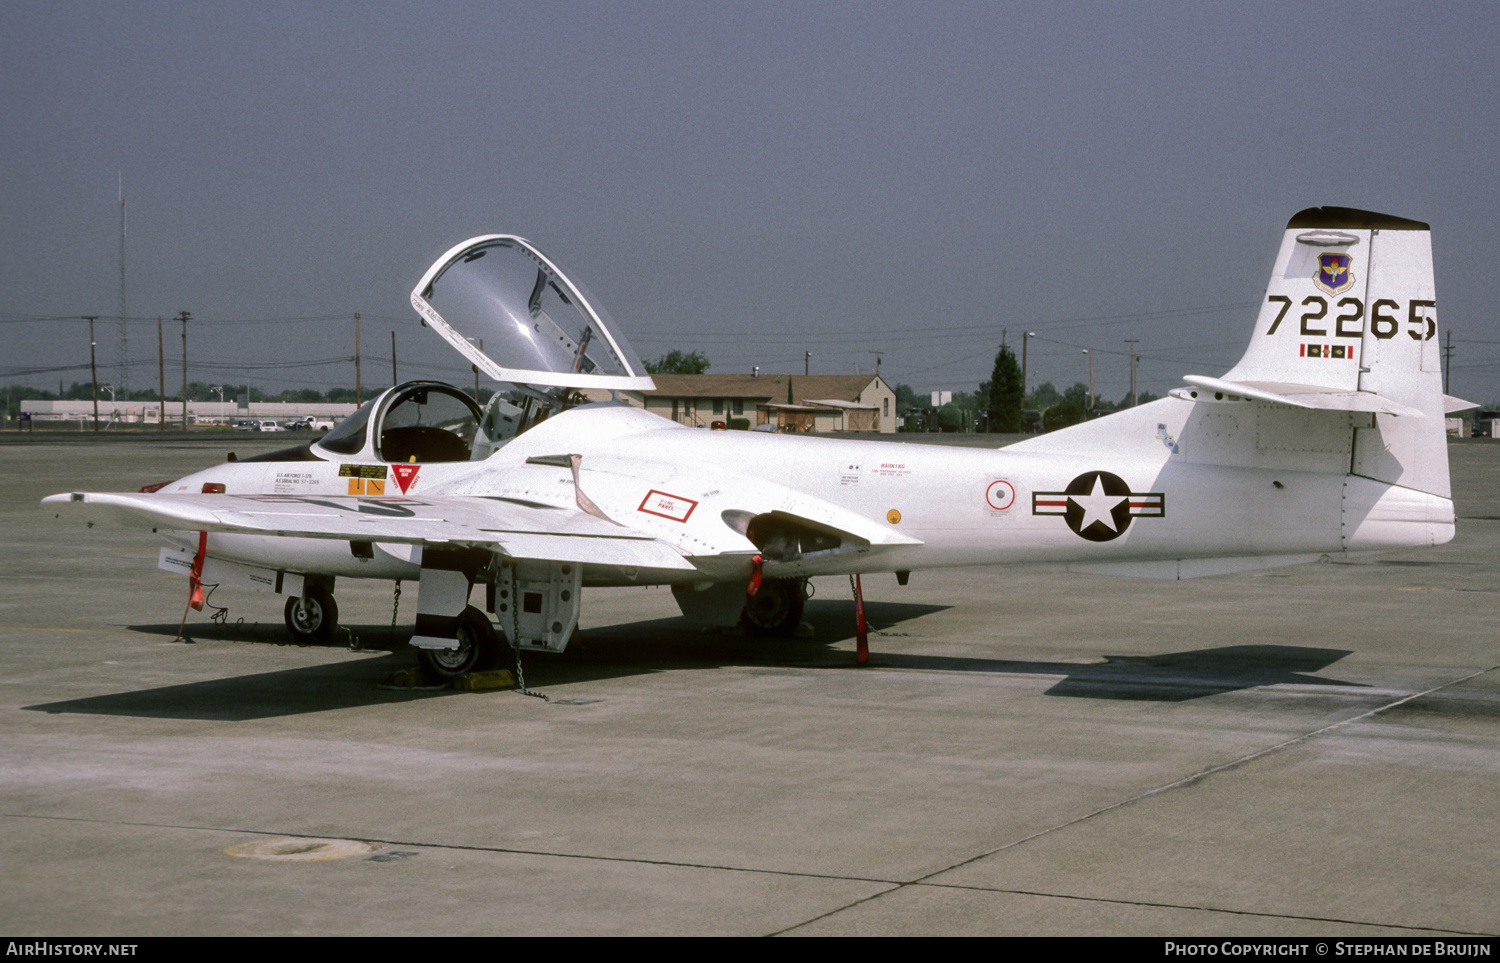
<point>754,585</point>
<point>195,575</point>
<point>861,637</point>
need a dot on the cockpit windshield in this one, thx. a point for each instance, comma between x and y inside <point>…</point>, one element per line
<point>349,437</point>
<point>508,310</point>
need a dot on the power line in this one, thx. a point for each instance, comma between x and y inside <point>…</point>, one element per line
<point>927,329</point>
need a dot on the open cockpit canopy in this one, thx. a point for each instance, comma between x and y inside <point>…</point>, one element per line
<point>509,311</point>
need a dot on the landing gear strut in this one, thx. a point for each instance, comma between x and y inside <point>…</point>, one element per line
<point>312,616</point>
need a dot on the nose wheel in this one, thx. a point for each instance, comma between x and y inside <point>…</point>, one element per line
<point>312,617</point>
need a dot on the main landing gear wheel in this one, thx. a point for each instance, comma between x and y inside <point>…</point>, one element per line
<point>776,609</point>
<point>477,649</point>
<point>312,617</point>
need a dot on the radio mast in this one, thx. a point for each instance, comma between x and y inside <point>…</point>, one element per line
<point>124,376</point>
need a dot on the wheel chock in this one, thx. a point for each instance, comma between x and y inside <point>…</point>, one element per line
<point>486,679</point>
<point>408,678</point>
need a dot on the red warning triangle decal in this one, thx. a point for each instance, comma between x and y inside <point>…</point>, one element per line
<point>405,475</point>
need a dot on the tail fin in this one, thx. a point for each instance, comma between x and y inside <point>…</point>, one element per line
<point>1350,323</point>
<point>1346,342</point>
<point>1340,385</point>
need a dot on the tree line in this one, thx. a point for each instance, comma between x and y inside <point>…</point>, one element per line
<point>1001,403</point>
<point>1003,407</point>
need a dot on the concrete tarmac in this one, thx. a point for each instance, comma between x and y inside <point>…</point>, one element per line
<point>1302,751</point>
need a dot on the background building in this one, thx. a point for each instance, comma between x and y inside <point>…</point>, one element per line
<point>199,412</point>
<point>802,403</point>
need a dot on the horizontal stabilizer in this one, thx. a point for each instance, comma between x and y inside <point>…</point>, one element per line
<point>1452,405</point>
<point>1305,396</point>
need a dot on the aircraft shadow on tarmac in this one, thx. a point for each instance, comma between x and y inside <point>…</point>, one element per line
<point>607,652</point>
<point>320,688</point>
<point>637,648</point>
<point>1170,677</point>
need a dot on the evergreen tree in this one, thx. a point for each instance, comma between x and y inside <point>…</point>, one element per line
<point>906,398</point>
<point>1005,393</point>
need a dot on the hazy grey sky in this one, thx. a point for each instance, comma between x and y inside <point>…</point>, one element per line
<point>753,180</point>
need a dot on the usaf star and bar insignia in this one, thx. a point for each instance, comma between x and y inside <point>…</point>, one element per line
<point>1098,506</point>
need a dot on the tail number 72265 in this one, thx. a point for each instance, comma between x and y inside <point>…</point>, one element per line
<point>1383,323</point>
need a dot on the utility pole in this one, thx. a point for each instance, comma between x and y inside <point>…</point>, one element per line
<point>183,316</point>
<point>1447,360</point>
<point>1025,340</point>
<point>393,358</point>
<point>161,377</point>
<point>1132,342</point>
<point>806,362</point>
<point>1091,378</point>
<point>124,328</point>
<point>93,372</point>
<point>475,367</point>
<point>357,399</point>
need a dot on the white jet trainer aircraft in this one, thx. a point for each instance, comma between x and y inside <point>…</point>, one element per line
<point>1326,439</point>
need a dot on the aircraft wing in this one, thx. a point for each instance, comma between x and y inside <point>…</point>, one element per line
<point>516,528</point>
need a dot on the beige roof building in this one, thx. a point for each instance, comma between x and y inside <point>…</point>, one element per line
<point>794,403</point>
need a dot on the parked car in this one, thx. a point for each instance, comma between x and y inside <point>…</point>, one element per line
<point>269,426</point>
<point>246,426</point>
